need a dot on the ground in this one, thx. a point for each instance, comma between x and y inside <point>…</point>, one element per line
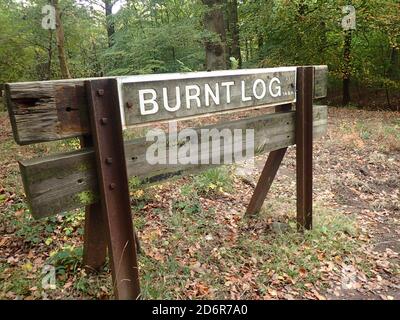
<point>198,244</point>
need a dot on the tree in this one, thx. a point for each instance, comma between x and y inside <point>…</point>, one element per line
<point>109,4</point>
<point>346,67</point>
<point>215,43</point>
<point>233,31</point>
<point>60,42</point>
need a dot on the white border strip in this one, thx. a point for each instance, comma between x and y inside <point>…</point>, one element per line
<point>200,74</point>
<point>121,107</point>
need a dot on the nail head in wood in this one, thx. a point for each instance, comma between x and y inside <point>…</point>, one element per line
<point>129,104</point>
<point>104,121</point>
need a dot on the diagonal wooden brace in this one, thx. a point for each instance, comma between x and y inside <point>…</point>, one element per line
<point>267,175</point>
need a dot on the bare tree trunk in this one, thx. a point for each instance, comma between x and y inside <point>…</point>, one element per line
<point>346,73</point>
<point>394,68</point>
<point>214,22</point>
<point>60,43</point>
<point>260,44</point>
<point>233,30</point>
<point>393,72</point>
<point>247,50</point>
<point>109,20</point>
<point>49,55</point>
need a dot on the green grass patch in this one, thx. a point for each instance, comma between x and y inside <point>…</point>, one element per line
<point>213,181</point>
<point>294,258</point>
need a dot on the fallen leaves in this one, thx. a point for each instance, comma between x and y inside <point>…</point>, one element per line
<point>215,252</point>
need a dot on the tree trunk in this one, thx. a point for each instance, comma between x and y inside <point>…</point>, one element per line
<point>233,29</point>
<point>214,22</point>
<point>65,74</point>
<point>109,21</point>
<point>346,73</point>
<point>394,68</point>
<point>49,55</point>
<point>247,49</point>
<point>260,44</point>
<point>393,72</point>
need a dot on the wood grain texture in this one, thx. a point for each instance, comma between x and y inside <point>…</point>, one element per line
<point>265,181</point>
<point>304,148</point>
<point>240,95</point>
<point>46,111</point>
<point>53,110</point>
<point>62,182</point>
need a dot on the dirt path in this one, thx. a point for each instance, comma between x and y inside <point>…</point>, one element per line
<point>357,171</point>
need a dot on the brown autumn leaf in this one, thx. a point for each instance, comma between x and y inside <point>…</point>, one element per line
<point>302,272</point>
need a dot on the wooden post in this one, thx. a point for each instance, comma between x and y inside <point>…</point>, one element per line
<point>95,241</point>
<point>304,141</point>
<point>268,174</point>
<point>108,143</point>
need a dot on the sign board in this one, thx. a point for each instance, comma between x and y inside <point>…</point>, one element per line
<point>152,98</point>
<point>97,176</point>
<point>149,98</point>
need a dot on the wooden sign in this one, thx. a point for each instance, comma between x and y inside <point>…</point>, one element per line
<point>76,178</point>
<point>96,176</point>
<point>58,109</point>
<point>154,98</point>
<point>163,97</point>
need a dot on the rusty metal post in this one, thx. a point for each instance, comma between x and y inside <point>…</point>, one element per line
<point>268,173</point>
<point>304,146</point>
<point>106,128</point>
<point>95,241</point>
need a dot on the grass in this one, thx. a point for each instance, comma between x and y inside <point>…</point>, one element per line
<point>195,246</point>
<point>212,181</point>
<point>296,258</point>
<point>364,131</point>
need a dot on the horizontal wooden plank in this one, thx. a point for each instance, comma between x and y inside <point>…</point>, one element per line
<point>58,183</point>
<point>47,111</point>
<point>320,82</point>
<point>154,98</point>
<point>53,110</point>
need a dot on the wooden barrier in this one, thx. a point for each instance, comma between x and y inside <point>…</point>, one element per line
<point>97,110</point>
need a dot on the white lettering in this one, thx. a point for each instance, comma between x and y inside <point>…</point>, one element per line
<point>178,100</point>
<point>194,96</point>
<point>263,86</point>
<point>152,100</point>
<point>279,91</point>
<point>208,92</point>
<point>228,90</point>
<point>244,98</point>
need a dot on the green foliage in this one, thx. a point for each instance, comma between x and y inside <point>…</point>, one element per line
<point>29,52</point>
<point>215,180</point>
<point>26,227</point>
<point>156,36</point>
<point>234,63</point>
<point>134,183</point>
<point>168,36</point>
<point>86,197</point>
<point>68,258</point>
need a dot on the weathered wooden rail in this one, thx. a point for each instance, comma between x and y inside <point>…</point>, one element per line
<point>58,183</point>
<point>52,110</point>
<point>97,110</point>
